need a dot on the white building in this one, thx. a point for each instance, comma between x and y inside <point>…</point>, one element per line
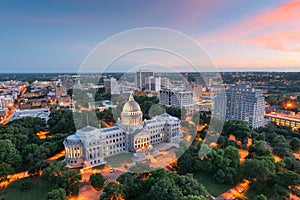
<point>241,102</point>
<point>153,83</point>
<point>179,99</point>
<point>42,113</point>
<point>90,146</point>
<point>6,100</point>
<point>111,85</point>
<point>141,78</point>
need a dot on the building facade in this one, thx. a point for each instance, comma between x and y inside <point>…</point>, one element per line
<point>179,99</point>
<point>111,85</point>
<point>90,146</point>
<point>141,78</point>
<point>241,102</point>
<point>284,120</point>
<point>176,98</point>
<point>153,84</point>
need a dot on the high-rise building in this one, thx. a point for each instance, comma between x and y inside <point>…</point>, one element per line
<point>241,102</point>
<point>141,78</point>
<point>165,83</point>
<point>198,91</point>
<point>111,85</point>
<point>177,98</point>
<point>153,83</point>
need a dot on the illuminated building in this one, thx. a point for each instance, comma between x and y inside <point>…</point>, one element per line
<point>90,146</point>
<point>241,102</point>
<point>284,120</point>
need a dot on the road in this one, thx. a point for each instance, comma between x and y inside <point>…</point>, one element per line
<point>56,156</point>
<point>86,191</point>
<point>237,191</point>
<point>12,178</point>
<point>10,112</point>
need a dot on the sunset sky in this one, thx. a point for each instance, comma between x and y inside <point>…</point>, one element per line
<point>238,35</point>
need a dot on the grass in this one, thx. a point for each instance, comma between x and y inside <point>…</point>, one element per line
<point>117,160</point>
<point>38,190</point>
<point>214,188</point>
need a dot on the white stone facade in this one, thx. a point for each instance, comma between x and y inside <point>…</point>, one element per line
<point>89,146</point>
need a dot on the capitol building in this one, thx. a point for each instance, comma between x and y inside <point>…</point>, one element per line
<point>89,146</point>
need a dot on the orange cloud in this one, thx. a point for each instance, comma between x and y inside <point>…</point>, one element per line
<point>288,41</point>
<point>276,29</point>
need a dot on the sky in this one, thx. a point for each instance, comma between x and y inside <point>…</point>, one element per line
<point>237,35</point>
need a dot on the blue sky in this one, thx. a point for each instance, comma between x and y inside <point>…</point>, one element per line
<point>56,35</point>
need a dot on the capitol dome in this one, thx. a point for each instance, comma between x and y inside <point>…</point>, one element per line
<point>131,114</point>
<point>131,105</point>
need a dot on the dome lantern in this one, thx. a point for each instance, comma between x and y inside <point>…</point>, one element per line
<point>131,114</point>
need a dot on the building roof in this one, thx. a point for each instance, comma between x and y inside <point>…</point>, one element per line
<point>131,105</point>
<point>73,138</point>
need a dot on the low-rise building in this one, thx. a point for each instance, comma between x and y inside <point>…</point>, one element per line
<point>90,146</point>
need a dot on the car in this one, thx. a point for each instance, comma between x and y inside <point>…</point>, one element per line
<point>111,170</point>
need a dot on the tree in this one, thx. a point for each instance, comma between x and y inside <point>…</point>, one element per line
<point>185,163</point>
<point>239,129</point>
<point>189,185</point>
<point>193,197</point>
<point>292,164</point>
<point>223,163</point>
<point>37,167</point>
<point>285,180</point>
<point>259,149</point>
<point>62,177</point>
<point>97,181</point>
<point>56,194</point>
<point>9,157</point>
<point>145,107</point>
<point>61,121</point>
<point>165,189</point>
<point>132,185</point>
<point>281,147</point>
<point>80,97</point>
<point>295,144</point>
<point>5,169</point>
<point>261,197</point>
<point>257,170</point>
<point>113,191</point>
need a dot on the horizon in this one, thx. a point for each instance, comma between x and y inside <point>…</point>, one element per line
<point>42,36</point>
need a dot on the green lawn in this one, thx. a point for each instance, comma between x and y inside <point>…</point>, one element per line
<point>38,191</point>
<point>214,188</point>
<point>117,160</point>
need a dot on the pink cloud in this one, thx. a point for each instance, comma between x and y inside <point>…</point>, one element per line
<point>276,29</point>
<point>279,40</point>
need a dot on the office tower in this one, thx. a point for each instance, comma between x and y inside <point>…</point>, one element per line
<point>198,91</point>
<point>111,85</point>
<point>165,83</point>
<point>141,78</point>
<point>177,98</point>
<point>153,83</point>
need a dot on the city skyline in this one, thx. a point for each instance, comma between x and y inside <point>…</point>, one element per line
<point>56,36</point>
